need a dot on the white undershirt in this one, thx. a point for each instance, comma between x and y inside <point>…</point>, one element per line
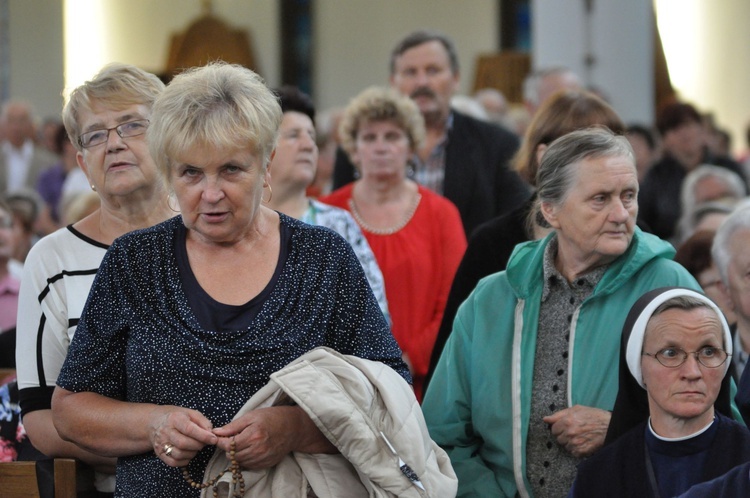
<point>18,162</point>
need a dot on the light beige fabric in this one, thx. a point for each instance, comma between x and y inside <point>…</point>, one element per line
<point>363,407</point>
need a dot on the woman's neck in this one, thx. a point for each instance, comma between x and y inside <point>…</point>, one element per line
<point>381,190</point>
<point>670,427</point>
<point>117,217</point>
<point>291,202</point>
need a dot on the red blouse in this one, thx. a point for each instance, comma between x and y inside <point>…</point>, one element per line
<point>418,263</point>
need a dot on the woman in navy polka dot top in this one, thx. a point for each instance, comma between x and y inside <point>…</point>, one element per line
<point>187,320</point>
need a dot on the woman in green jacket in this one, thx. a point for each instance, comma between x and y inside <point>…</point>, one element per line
<point>523,388</point>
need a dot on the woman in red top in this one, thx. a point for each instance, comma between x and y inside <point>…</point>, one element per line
<point>415,234</point>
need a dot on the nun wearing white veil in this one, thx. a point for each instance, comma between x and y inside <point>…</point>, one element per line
<point>671,425</point>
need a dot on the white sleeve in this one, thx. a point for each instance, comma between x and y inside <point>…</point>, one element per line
<point>56,279</point>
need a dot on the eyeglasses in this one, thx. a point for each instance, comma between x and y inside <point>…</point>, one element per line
<point>707,356</point>
<point>125,130</point>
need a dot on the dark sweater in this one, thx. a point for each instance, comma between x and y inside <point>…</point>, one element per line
<point>624,465</point>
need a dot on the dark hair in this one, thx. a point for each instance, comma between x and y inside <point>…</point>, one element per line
<point>292,99</point>
<point>644,132</point>
<point>695,253</point>
<point>61,136</point>
<point>421,37</point>
<point>673,116</point>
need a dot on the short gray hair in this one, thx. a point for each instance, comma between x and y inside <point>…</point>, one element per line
<point>684,303</point>
<point>557,170</point>
<point>117,86</point>
<point>733,181</point>
<point>738,220</point>
<point>533,81</point>
<point>220,105</point>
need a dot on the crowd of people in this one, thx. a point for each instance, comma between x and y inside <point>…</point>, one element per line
<point>209,286</point>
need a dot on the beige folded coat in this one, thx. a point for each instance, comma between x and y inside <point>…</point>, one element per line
<point>369,413</point>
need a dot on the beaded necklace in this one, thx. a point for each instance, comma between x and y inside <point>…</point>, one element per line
<point>384,231</point>
<point>234,468</point>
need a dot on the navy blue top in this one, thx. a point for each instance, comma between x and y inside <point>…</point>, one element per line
<point>139,340</point>
<point>210,313</point>
<point>733,484</point>
<point>679,464</point>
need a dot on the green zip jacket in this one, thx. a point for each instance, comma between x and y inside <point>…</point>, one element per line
<point>478,403</point>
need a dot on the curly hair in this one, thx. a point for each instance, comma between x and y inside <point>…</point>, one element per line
<point>381,104</point>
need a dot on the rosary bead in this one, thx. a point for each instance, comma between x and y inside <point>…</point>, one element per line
<point>234,469</point>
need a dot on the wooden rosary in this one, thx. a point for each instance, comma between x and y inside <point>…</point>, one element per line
<point>234,468</point>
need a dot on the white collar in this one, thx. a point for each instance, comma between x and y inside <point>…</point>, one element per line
<point>682,438</point>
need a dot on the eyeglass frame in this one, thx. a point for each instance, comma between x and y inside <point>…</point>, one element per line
<point>117,129</point>
<point>686,354</point>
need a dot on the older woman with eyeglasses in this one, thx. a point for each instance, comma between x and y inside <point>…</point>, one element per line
<point>670,425</point>
<point>106,119</point>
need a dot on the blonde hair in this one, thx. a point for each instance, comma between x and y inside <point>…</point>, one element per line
<point>219,105</point>
<point>77,206</point>
<point>381,104</point>
<point>115,85</point>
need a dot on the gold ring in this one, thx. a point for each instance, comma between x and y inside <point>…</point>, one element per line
<point>168,449</point>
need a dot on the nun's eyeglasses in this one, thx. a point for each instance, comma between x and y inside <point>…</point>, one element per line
<point>707,356</point>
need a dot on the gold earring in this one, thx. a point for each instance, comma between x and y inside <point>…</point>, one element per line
<point>169,204</point>
<point>270,193</point>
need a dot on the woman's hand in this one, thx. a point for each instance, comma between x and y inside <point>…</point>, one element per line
<point>263,437</point>
<point>579,429</point>
<point>178,434</point>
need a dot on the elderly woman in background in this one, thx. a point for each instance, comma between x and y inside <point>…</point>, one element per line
<point>707,193</point>
<point>524,385</point>
<point>293,168</point>
<point>416,235</point>
<point>188,319</point>
<point>106,119</point>
<point>673,404</point>
<point>492,243</point>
